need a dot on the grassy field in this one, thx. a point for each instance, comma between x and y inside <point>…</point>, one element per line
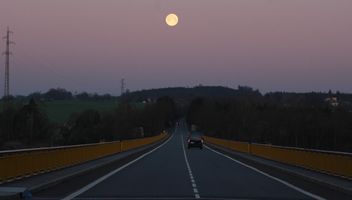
<point>59,111</point>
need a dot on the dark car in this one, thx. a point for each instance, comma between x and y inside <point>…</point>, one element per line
<point>195,140</point>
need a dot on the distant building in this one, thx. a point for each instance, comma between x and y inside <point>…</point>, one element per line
<point>333,101</point>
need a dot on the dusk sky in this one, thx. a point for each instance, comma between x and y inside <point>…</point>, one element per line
<point>270,45</point>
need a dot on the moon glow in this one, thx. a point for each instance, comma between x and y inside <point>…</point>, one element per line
<point>171,19</point>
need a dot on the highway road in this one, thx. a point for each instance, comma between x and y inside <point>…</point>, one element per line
<point>171,171</point>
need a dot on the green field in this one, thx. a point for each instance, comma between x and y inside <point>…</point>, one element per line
<point>59,111</point>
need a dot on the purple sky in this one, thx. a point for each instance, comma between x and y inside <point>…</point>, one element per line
<point>291,45</point>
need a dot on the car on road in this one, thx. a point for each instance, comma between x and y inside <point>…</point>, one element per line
<point>195,140</point>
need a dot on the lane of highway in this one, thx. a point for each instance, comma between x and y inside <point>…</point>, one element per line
<point>174,172</point>
<point>161,174</point>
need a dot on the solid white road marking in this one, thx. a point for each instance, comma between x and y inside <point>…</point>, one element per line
<point>194,186</point>
<point>143,198</point>
<point>99,180</point>
<point>269,176</point>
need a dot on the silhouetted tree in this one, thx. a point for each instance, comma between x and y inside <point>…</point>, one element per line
<point>58,94</point>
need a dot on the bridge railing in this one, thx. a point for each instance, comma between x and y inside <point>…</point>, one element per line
<point>15,164</point>
<point>331,162</point>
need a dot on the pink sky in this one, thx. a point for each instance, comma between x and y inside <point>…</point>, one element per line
<point>89,45</point>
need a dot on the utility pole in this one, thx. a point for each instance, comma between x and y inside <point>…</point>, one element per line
<point>7,54</point>
<point>122,86</point>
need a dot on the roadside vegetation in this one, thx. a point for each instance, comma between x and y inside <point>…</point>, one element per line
<point>308,120</point>
<point>60,118</point>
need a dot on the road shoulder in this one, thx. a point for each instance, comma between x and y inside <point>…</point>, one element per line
<point>315,182</point>
<point>38,183</point>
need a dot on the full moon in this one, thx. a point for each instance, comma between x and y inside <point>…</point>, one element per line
<point>171,19</point>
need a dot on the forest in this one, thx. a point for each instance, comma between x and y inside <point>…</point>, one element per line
<point>286,119</point>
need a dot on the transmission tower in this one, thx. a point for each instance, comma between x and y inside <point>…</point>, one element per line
<point>7,54</point>
<point>122,86</point>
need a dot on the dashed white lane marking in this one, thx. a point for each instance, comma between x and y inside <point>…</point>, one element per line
<point>99,180</point>
<point>194,186</point>
<point>269,176</point>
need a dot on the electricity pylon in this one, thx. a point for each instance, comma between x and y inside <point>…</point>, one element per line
<point>122,86</point>
<point>7,54</point>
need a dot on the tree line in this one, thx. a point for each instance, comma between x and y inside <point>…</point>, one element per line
<point>311,120</point>
<point>298,120</point>
<point>187,93</point>
<point>62,94</point>
<point>27,125</point>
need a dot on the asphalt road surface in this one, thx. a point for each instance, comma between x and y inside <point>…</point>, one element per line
<point>171,171</point>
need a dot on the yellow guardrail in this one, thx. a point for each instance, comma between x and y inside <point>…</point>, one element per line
<point>21,163</point>
<point>230,144</point>
<point>336,163</point>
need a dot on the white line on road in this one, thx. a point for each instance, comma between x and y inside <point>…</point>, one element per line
<point>146,198</point>
<point>99,180</point>
<point>272,177</point>
<point>194,186</point>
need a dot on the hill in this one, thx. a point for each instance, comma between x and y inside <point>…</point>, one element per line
<point>183,93</point>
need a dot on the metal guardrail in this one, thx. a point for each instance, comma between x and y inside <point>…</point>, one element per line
<point>330,162</point>
<point>312,150</point>
<point>15,164</point>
